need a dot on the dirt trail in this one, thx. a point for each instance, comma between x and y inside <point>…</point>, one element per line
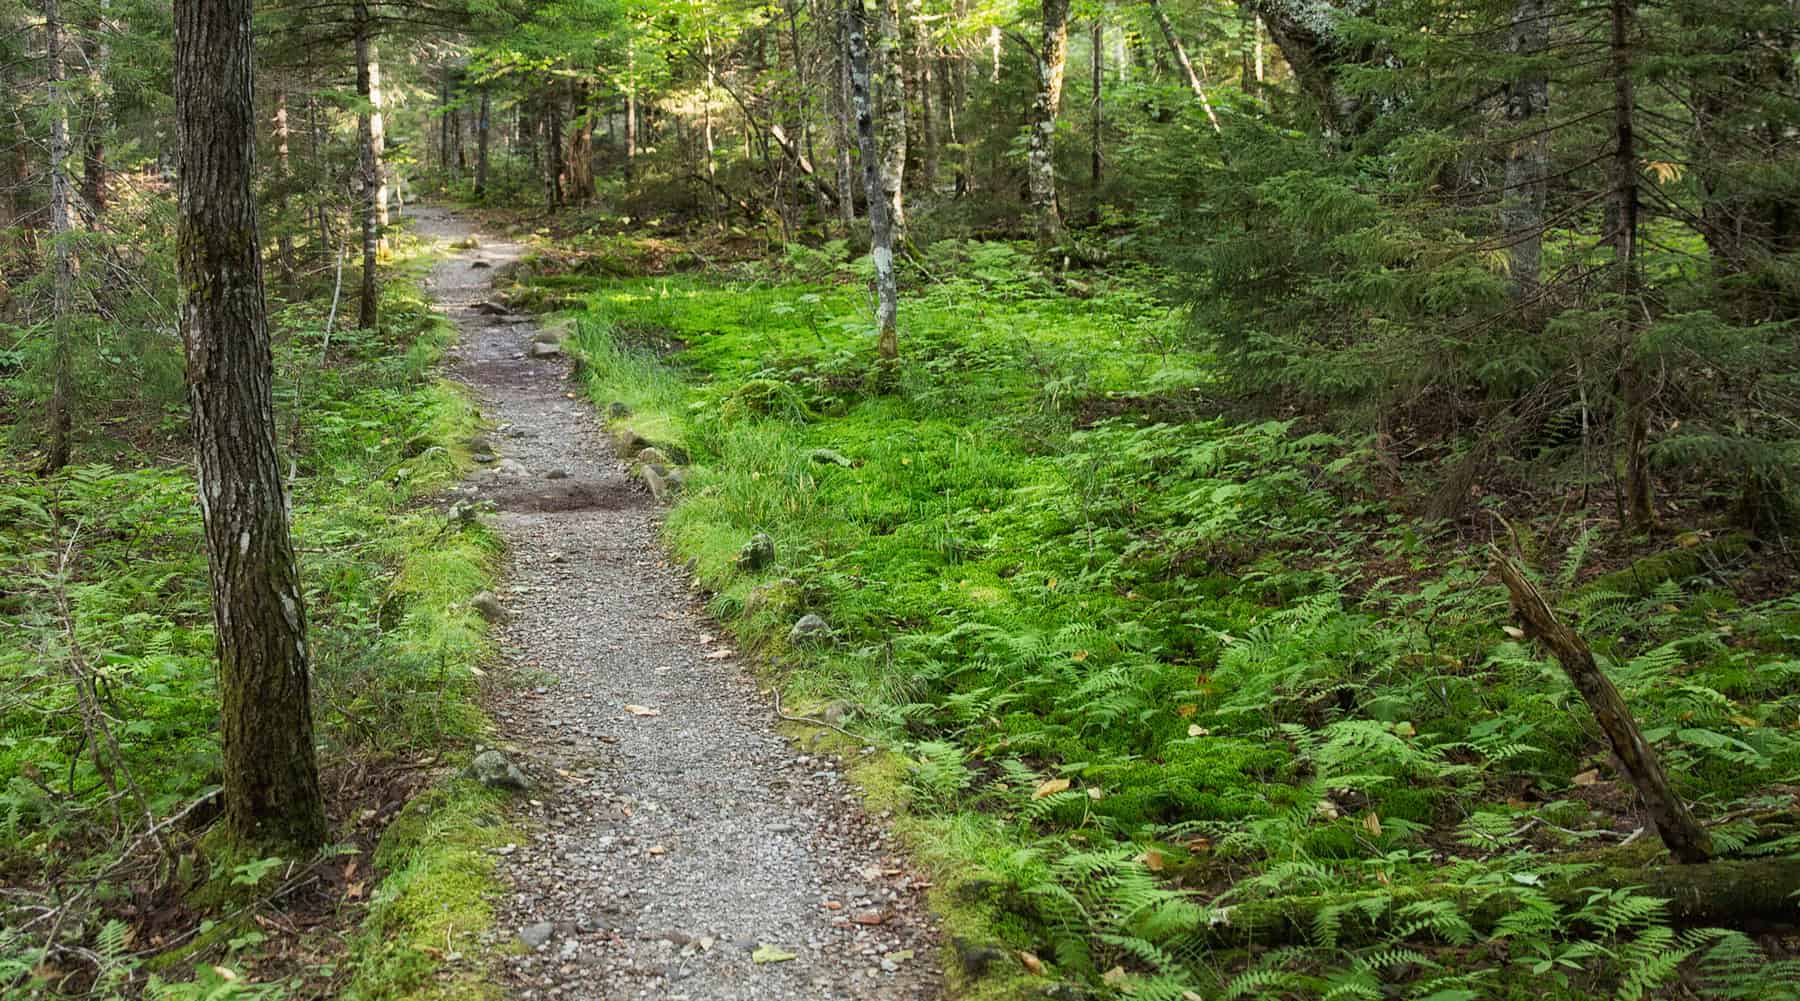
<point>663,850</point>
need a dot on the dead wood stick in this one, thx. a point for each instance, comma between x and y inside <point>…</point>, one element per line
<point>1675,824</point>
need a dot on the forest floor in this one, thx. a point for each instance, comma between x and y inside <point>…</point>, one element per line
<point>676,845</point>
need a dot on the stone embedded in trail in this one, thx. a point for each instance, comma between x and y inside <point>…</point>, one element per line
<point>512,468</point>
<point>557,474</point>
<point>491,308</point>
<point>479,264</point>
<point>758,553</point>
<point>628,443</point>
<point>534,936</point>
<point>487,605</point>
<point>653,456</point>
<point>495,770</point>
<point>545,349</point>
<point>810,629</point>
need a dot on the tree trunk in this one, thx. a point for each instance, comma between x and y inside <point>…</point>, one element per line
<point>444,116</point>
<point>93,157</point>
<point>62,225</point>
<point>377,127</point>
<point>1637,759</point>
<point>553,145</point>
<point>321,198</point>
<point>1097,166</point>
<point>1640,511</point>
<point>1052,60</point>
<point>890,98</point>
<point>846,124</point>
<point>881,242</point>
<point>482,125</point>
<point>284,174</point>
<point>1311,42</point>
<point>581,146</point>
<point>369,156</point>
<point>1181,59</point>
<point>1528,160</point>
<point>631,116</point>
<point>270,778</point>
<point>929,152</point>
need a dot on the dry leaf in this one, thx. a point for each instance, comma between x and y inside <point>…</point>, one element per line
<point>1372,823</point>
<point>1033,965</point>
<point>719,654</point>
<point>1587,778</point>
<point>658,850</point>
<point>1080,655</point>
<point>1153,860</point>
<point>1185,711</point>
<point>1095,794</point>
<point>1050,788</point>
<point>1196,730</point>
<point>1514,631</point>
<point>1115,978</point>
<point>637,710</point>
<point>868,917</point>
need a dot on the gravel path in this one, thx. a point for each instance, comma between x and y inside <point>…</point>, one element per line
<point>666,853</point>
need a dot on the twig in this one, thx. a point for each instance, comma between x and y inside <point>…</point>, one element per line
<point>776,689</point>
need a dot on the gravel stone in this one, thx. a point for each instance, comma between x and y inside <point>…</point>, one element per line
<point>753,842</point>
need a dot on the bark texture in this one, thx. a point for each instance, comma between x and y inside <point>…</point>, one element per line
<point>1528,160</point>
<point>271,783</point>
<point>62,225</point>
<point>1194,82</point>
<point>890,102</point>
<point>1675,824</point>
<point>1052,62</point>
<point>881,242</point>
<point>482,126</point>
<point>368,127</point>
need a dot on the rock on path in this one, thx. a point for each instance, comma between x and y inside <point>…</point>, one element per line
<point>674,844</point>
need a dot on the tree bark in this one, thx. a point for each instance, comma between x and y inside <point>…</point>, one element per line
<point>1528,160</point>
<point>1310,42</point>
<point>846,123</point>
<point>271,783</point>
<point>1098,125</point>
<point>1052,60</point>
<point>631,115</point>
<point>930,147</point>
<point>881,242</point>
<point>1685,839</point>
<point>93,156</point>
<point>368,130</point>
<point>553,145</point>
<point>1640,511</point>
<point>482,125</point>
<point>890,99</point>
<point>62,225</point>
<point>1181,59</point>
<point>581,146</point>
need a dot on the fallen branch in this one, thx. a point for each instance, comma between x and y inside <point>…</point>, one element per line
<point>1675,824</point>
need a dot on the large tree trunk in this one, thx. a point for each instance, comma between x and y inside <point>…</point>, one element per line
<point>270,778</point>
<point>368,129</point>
<point>482,126</point>
<point>1181,59</point>
<point>1315,49</point>
<point>1528,160</point>
<point>62,225</point>
<point>890,99</point>
<point>881,243</point>
<point>1052,60</point>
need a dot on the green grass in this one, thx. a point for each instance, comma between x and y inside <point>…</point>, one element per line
<point>396,650</point>
<point>1243,664</point>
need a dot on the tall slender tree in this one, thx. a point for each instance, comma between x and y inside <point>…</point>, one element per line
<point>1052,62</point>
<point>270,777</point>
<point>881,239</point>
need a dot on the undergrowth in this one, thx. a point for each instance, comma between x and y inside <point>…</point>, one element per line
<point>105,603</point>
<point>1190,709</point>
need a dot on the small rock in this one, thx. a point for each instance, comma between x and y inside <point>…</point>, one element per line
<point>484,457</point>
<point>828,457</point>
<point>654,456</point>
<point>492,308</point>
<point>617,411</point>
<point>810,629</point>
<point>545,349</point>
<point>557,474</point>
<point>513,468</point>
<point>475,265</point>
<point>534,936</point>
<point>627,443</point>
<point>495,770</point>
<point>487,605</point>
<point>758,553</point>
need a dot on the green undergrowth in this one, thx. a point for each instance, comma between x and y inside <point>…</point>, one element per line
<point>104,568</point>
<point>1150,667</point>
